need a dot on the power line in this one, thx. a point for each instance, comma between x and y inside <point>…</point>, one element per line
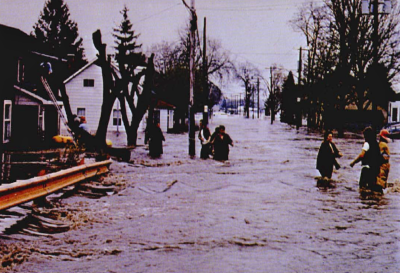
<point>158,13</point>
<point>265,7</point>
<point>244,9</point>
<point>264,53</point>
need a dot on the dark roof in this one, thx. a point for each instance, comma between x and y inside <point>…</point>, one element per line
<point>164,105</point>
<point>15,39</point>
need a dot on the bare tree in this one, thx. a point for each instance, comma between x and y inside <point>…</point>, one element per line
<point>129,60</point>
<point>247,74</point>
<point>219,65</point>
<point>314,22</point>
<point>273,103</point>
<point>115,87</point>
<point>109,89</point>
<point>340,56</point>
<point>171,60</point>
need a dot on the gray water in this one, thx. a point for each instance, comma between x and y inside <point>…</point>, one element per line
<point>261,211</point>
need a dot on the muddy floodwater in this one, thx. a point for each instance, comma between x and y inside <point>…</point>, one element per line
<point>261,211</point>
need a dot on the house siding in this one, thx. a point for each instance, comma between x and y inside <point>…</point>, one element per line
<point>91,98</point>
<point>166,122</point>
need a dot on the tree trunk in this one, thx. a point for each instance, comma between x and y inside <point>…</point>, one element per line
<point>108,94</point>
<point>143,103</point>
<point>106,110</point>
<point>125,117</point>
<point>67,106</point>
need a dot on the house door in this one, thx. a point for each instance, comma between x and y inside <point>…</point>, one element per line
<point>25,126</point>
<point>395,114</point>
<point>156,116</point>
<point>51,122</point>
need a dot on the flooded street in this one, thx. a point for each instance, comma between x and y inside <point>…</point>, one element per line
<point>261,211</point>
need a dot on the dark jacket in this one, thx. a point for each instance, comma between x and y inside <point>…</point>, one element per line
<point>326,158</point>
<point>205,146</point>
<point>221,146</point>
<point>155,144</point>
<point>372,157</point>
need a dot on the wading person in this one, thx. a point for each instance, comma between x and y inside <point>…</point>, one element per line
<point>327,155</point>
<point>156,138</point>
<point>221,143</point>
<point>385,156</point>
<point>216,131</point>
<point>370,164</point>
<point>205,137</point>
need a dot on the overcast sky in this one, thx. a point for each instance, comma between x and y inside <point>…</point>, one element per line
<point>251,30</point>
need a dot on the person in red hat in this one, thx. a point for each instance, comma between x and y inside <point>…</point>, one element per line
<point>385,153</point>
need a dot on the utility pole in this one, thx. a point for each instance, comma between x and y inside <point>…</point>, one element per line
<point>300,67</point>
<point>237,104</point>
<point>365,5</point>
<point>193,28</point>
<point>232,104</point>
<point>272,98</point>
<point>240,103</point>
<point>247,96</point>
<point>253,91</point>
<point>298,115</point>
<point>205,76</point>
<point>258,97</point>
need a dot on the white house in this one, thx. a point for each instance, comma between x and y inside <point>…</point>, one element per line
<point>164,113</point>
<point>85,92</point>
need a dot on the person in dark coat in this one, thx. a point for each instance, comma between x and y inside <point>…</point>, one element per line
<point>327,155</point>
<point>370,161</point>
<point>216,132</point>
<point>205,137</point>
<point>221,143</point>
<point>156,138</point>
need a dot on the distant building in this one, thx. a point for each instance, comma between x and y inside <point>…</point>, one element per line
<point>164,113</point>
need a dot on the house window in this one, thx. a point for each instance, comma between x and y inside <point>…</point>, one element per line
<point>81,112</point>
<point>7,121</point>
<point>20,72</point>
<point>395,114</point>
<point>88,82</point>
<point>41,119</point>
<point>117,120</point>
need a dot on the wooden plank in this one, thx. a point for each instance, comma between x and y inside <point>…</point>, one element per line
<point>26,190</point>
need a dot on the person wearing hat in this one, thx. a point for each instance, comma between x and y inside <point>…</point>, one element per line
<point>83,124</point>
<point>385,156</point>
